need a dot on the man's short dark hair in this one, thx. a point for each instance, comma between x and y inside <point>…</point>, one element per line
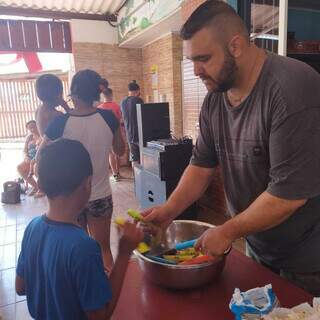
<point>86,85</point>
<point>207,13</point>
<point>49,88</point>
<point>108,92</point>
<point>63,166</point>
<point>133,86</point>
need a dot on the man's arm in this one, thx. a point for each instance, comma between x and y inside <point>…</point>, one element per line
<point>20,286</point>
<point>193,183</point>
<point>266,212</point>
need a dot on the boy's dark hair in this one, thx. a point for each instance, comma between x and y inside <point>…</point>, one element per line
<point>86,85</point>
<point>209,12</point>
<point>63,166</point>
<point>133,86</point>
<point>30,122</point>
<point>108,92</point>
<point>48,88</point>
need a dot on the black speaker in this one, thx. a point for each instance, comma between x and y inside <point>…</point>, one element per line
<point>167,161</point>
<point>153,121</point>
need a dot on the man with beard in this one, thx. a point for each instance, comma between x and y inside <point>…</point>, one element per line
<point>261,123</point>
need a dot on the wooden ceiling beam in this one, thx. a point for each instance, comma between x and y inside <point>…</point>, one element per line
<point>50,14</point>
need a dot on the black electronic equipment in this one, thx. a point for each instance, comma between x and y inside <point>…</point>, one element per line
<point>163,159</point>
<point>167,160</point>
<point>153,121</point>
<point>169,144</point>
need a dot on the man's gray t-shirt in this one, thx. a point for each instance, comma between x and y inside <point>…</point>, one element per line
<point>129,113</point>
<point>271,142</point>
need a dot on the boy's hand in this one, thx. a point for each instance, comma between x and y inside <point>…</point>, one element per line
<point>131,236</point>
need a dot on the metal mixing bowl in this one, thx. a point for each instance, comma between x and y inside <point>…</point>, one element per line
<point>181,276</point>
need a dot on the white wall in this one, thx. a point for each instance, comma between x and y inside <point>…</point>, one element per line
<point>93,31</point>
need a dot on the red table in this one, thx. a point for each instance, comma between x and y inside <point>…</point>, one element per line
<point>141,300</point>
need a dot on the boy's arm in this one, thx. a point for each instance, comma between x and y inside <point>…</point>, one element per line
<point>131,237</point>
<point>20,286</point>
<point>116,279</point>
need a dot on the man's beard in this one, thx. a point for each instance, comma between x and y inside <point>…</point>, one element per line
<point>226,77</point>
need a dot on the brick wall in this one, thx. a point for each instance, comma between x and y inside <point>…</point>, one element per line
<point>166,54</point>
<point>177,56</point>
<point>119,65</point>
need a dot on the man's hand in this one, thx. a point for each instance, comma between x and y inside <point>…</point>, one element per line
<point>214,242</point>
<point>131,236</point>
<point>160,215</point>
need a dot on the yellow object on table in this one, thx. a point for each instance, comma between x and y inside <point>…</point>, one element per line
<point>142,246</point>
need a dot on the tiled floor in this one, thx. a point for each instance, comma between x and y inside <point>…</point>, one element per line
<point>14,219</point>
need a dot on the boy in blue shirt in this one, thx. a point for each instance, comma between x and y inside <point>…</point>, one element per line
<point>60,267</point>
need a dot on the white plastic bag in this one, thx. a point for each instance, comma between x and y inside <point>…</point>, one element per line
<point>253,304</point>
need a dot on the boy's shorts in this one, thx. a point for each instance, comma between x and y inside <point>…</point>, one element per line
<point>98,208</point>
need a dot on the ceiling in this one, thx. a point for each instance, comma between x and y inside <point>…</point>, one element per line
<point>68,8</point>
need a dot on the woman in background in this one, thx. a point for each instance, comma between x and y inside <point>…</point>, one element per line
<point>26,167</point>
<point>98,130</point>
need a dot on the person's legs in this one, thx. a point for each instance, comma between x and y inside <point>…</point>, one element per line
<point>99,213</point>
<point>24,170</point>
<point>39,193</point>
<point>114,164</point>
<point>134,154</point>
